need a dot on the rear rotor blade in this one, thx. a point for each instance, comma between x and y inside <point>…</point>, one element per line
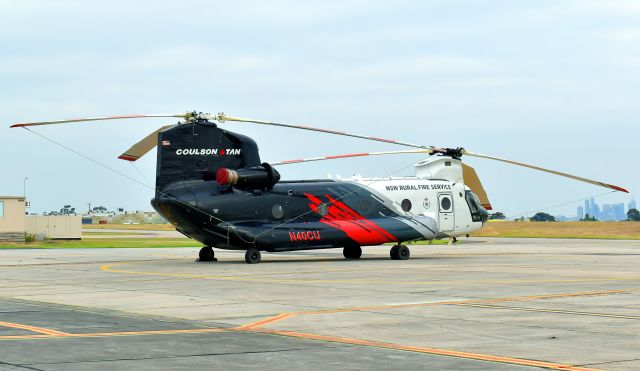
<point>142,147</point>
<point>222,118</point>
<point>472,181</point>
<point>566,175</point>
<point>350,155</point>
<point>101,118</point>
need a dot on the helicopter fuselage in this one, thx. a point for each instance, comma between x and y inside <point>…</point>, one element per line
<point>316,214</point>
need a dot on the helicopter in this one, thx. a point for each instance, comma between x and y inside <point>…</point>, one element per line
<point>212,187</point>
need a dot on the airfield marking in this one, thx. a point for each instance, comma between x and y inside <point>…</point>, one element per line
<point>284,316</point>
<point>550,311</point>
<point>434,351</point>
<point>415,349</point>
<point>57,334</point>
<point>254,278</point>
<point>40,330</point>
<point>471,301</point>
<point>267,321</point>
<point>257,327</point>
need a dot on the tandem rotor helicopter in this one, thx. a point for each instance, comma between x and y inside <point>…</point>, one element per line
<point>212,186</point>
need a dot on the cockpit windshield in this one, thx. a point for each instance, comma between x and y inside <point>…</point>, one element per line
<point>478,213</point>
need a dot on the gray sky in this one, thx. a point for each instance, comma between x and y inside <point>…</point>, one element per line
<point>553,83</point>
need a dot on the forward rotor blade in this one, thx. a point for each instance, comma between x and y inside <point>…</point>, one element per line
<point>222,117</point>
<point>473,182</point>
<point>102,118</point>
<point>142,147</point>
<point>566,175</point>
<point>311,159</point>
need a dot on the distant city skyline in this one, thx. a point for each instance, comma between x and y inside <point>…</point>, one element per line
<point>606,212</point>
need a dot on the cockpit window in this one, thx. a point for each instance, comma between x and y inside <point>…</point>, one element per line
<point>474,206</point>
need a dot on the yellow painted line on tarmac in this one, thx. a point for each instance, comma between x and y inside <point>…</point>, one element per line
<point>550,311</point>
<point>109,268</point>
<point>267,321</point>
<point>472,301</point>
<point>117,333</point>
<point>253,278</point>
<point>39,330</point>
<point>424,350</point>
<point>258,327</point>
<point>284,316</point>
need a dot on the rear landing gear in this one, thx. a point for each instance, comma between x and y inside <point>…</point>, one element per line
<point>352,252</point>
<point>399,252</point>
<point>207,255</point>
<point>252,256</point>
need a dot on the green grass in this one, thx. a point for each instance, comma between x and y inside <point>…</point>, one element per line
<point>103,243</point>
<point>111,234</point>
<point>133,227</point>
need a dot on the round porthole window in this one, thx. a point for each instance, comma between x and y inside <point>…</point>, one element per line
<point>406,205</point>
<point>278,211</point>
<point>445,203</point>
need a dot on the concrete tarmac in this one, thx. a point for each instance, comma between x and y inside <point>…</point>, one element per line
<point>482,304</point>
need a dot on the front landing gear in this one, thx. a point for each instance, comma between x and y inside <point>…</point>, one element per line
<point>207,255</point>
<point>399,252</point>
<point>352,252</point>
<point>252,256</point>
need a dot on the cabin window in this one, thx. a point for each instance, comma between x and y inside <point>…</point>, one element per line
<point>406,205</point>
<point>445,203</point>
<point>278,211</point>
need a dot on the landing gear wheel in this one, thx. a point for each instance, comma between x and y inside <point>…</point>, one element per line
<point>206,254</point>
<point>352,252</point>
<point>400,252</point>
<point>252,256</point>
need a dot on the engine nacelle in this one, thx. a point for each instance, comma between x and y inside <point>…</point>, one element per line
<point>259,177</point>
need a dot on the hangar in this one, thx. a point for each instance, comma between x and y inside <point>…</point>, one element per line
<point>12,218</point>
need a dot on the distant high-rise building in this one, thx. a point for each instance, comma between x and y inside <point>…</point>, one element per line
<point>632,204</point>
<point>618,212</point>
<point>580,212</point>
<point>607,212</point>
<point>594,209</point>
<point>587,209</point>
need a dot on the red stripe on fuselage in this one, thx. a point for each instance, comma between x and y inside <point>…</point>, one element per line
<point>357,227</point>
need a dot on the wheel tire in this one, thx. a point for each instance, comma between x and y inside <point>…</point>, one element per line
<point>403,252</point>
<point>394,253</point>
<point>252,256</point>
<point>352,252</point>
<point>206,254</point>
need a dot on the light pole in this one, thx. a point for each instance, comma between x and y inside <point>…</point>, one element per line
<point>24,187</point>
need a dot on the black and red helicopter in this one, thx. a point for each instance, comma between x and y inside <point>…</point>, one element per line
<point>213,187</point>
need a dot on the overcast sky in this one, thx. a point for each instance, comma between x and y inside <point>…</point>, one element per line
<point>553,83</point>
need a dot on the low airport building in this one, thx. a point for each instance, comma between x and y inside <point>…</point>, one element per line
<point>137,217</point>
<point>58,227</point>
<point>12,218</point>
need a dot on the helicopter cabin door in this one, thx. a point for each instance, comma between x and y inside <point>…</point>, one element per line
<point>445,214</point>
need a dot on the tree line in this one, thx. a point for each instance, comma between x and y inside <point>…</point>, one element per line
<point>632,215</point>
